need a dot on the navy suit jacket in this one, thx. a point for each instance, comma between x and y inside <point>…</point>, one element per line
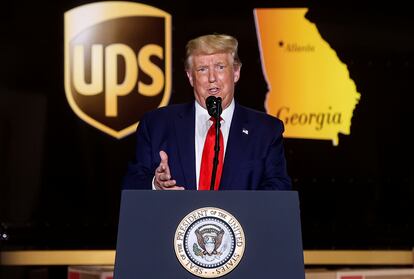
<point>254,158</point>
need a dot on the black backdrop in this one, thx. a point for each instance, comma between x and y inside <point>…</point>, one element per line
<point>60,178</point>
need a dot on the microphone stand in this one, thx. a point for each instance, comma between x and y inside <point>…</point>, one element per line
<point>216,144</point>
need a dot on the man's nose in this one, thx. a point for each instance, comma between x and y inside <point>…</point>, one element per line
<point>211,75</point>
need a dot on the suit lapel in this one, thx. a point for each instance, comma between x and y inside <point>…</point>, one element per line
<point>185,131</point>
<point>236,144</point>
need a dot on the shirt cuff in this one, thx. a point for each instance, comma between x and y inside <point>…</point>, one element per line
<point>153,183</point>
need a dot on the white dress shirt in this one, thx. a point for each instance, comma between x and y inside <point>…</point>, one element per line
<point>202,124</point>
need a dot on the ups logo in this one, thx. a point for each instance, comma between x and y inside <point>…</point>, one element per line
<point>117,63</point>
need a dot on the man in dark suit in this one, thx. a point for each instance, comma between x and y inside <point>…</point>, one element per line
<point>170,140</point>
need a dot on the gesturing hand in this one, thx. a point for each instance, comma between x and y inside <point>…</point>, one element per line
<point>163,179</point>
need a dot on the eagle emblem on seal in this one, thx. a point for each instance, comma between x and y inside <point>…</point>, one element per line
<point>209,240</point>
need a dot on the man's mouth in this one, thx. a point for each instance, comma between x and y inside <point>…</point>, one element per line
<point>214,90</point>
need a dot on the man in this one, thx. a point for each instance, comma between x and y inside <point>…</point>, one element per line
<point>170,151</point>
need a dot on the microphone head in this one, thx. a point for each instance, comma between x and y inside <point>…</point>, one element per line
<point>213,105</point>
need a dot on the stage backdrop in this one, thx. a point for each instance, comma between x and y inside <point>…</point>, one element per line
<point>76,77</point>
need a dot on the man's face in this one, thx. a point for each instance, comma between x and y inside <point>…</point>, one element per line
<point>213,75</point>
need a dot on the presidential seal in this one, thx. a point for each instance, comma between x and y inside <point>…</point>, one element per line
<point>209,242</point>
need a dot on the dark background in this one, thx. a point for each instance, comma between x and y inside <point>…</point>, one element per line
<point>60,177</point>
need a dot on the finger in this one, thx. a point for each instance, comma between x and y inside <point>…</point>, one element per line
<point>161,185</point>
<point>164,162</point>
<point>161,168</point>
<point>164,157</point>
<point>164,185</point>
<point>169,183</point>
<point>164,176</point>
<point>166,171</point>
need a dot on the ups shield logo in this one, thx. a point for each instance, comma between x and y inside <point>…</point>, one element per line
<point>117,63</point>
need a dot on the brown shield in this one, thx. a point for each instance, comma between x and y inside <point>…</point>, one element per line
<point>117,63</point>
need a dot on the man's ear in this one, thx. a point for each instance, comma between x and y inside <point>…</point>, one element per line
<point>190,77</point>
<point>236,73</point>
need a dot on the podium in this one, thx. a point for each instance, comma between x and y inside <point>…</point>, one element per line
<point>209,234</point>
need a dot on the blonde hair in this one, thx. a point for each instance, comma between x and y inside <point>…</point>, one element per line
<point>211,44</point>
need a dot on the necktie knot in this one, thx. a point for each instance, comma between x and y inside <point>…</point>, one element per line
<point>213,119</point>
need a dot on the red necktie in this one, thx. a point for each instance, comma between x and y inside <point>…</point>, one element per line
<point>206,167</point>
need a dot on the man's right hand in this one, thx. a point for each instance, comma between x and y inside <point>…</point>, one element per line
<point>163,179</point>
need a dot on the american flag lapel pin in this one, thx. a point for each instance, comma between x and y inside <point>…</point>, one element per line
<point>245,131</point>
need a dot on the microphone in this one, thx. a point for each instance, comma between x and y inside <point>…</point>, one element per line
<point>214,108</point>
<point>213,105</point>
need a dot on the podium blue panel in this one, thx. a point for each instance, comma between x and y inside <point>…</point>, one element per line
<point>149,220</point>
